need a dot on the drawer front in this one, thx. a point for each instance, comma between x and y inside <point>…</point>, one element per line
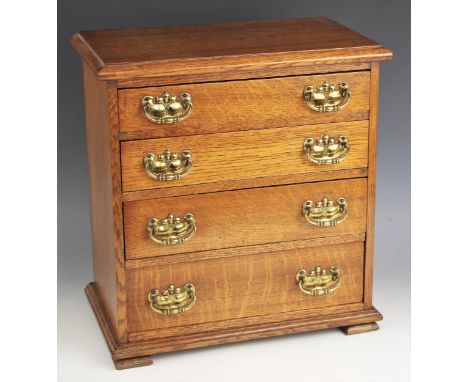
<point>243,155</point>
<point>241,218</point>
<point>240,105</point>
<point>245,286</point>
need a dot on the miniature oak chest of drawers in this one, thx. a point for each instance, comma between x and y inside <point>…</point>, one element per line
<point>232,178</point>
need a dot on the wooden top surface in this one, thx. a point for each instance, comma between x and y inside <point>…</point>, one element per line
<point>127,53</point>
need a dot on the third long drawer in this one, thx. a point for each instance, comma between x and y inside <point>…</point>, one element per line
<point>243,217</point>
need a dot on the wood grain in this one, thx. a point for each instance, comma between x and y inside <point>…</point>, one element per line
<point>246,286</point>
<point>360,328</point>
<point>245,217</point>
<point>133,53</point>
<point>369,257</point>
<point>230,185</point>
<point>105,197</point>
<point>242,155</point>
<point>217,337</point>
<point>104,323</point>
<point>205,327</point>
<point>242,67</point>
<point>103,319</point>
<point>247,333</point>
<point>246,189</point>
<point>243,105</point>
<point>237,71</point>
<point>128,363</point>
<point>240,251</point>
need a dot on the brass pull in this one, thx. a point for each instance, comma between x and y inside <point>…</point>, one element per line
<point>168,165</point>
<point>167,108</point>
<point>325,213</point>
<point>172,300</point>
<point>327,97</point>
<point>326,150</point>
<point>319,282</point>
<point>172,230</point>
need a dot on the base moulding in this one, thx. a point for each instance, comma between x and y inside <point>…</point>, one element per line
<point>134,354</point>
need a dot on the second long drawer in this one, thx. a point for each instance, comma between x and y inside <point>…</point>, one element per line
<point>244,155</point>
<point>240,218</point>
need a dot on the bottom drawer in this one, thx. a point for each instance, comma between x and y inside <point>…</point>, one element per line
<point>229,288</point>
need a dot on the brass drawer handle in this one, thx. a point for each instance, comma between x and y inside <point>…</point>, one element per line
<point>172,230</point>
<point>325,213</point>
<point>168,165</point>
<point>172,300</point>
<point>327,97</point>
<point>319,282</point>
<point>167,108</point>
<point>327,150</point>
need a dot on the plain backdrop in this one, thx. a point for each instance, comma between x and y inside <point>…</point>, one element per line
<point>377,356</point>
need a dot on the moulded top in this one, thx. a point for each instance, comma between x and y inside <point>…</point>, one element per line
<point>131,53</point>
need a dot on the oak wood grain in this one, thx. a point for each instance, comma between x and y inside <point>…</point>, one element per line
<point>125,53</point>
<point>112,342</point>
<point>105,197</point>
<point>247,250</point>
<point>247,333</point>
<point>217,337</point>
<point>242,155</point>
<point>238,71</point>
<point>128,363</point>
<point>243,105</point>
<point>238,184</point>
<point>205,327</point>
<point>246,286</point>
<point>246,188</point>
<point>244,217</point>
<point>360,328</point>
<point>95,300</point>
<point>369,256</point>
<point>243,67</point>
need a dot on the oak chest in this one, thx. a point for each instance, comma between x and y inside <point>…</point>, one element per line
<point>232,179</point>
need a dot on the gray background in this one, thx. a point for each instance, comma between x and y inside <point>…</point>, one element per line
<point>378,356</point>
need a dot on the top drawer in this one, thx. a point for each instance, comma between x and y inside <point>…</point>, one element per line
<point>240,105</point>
